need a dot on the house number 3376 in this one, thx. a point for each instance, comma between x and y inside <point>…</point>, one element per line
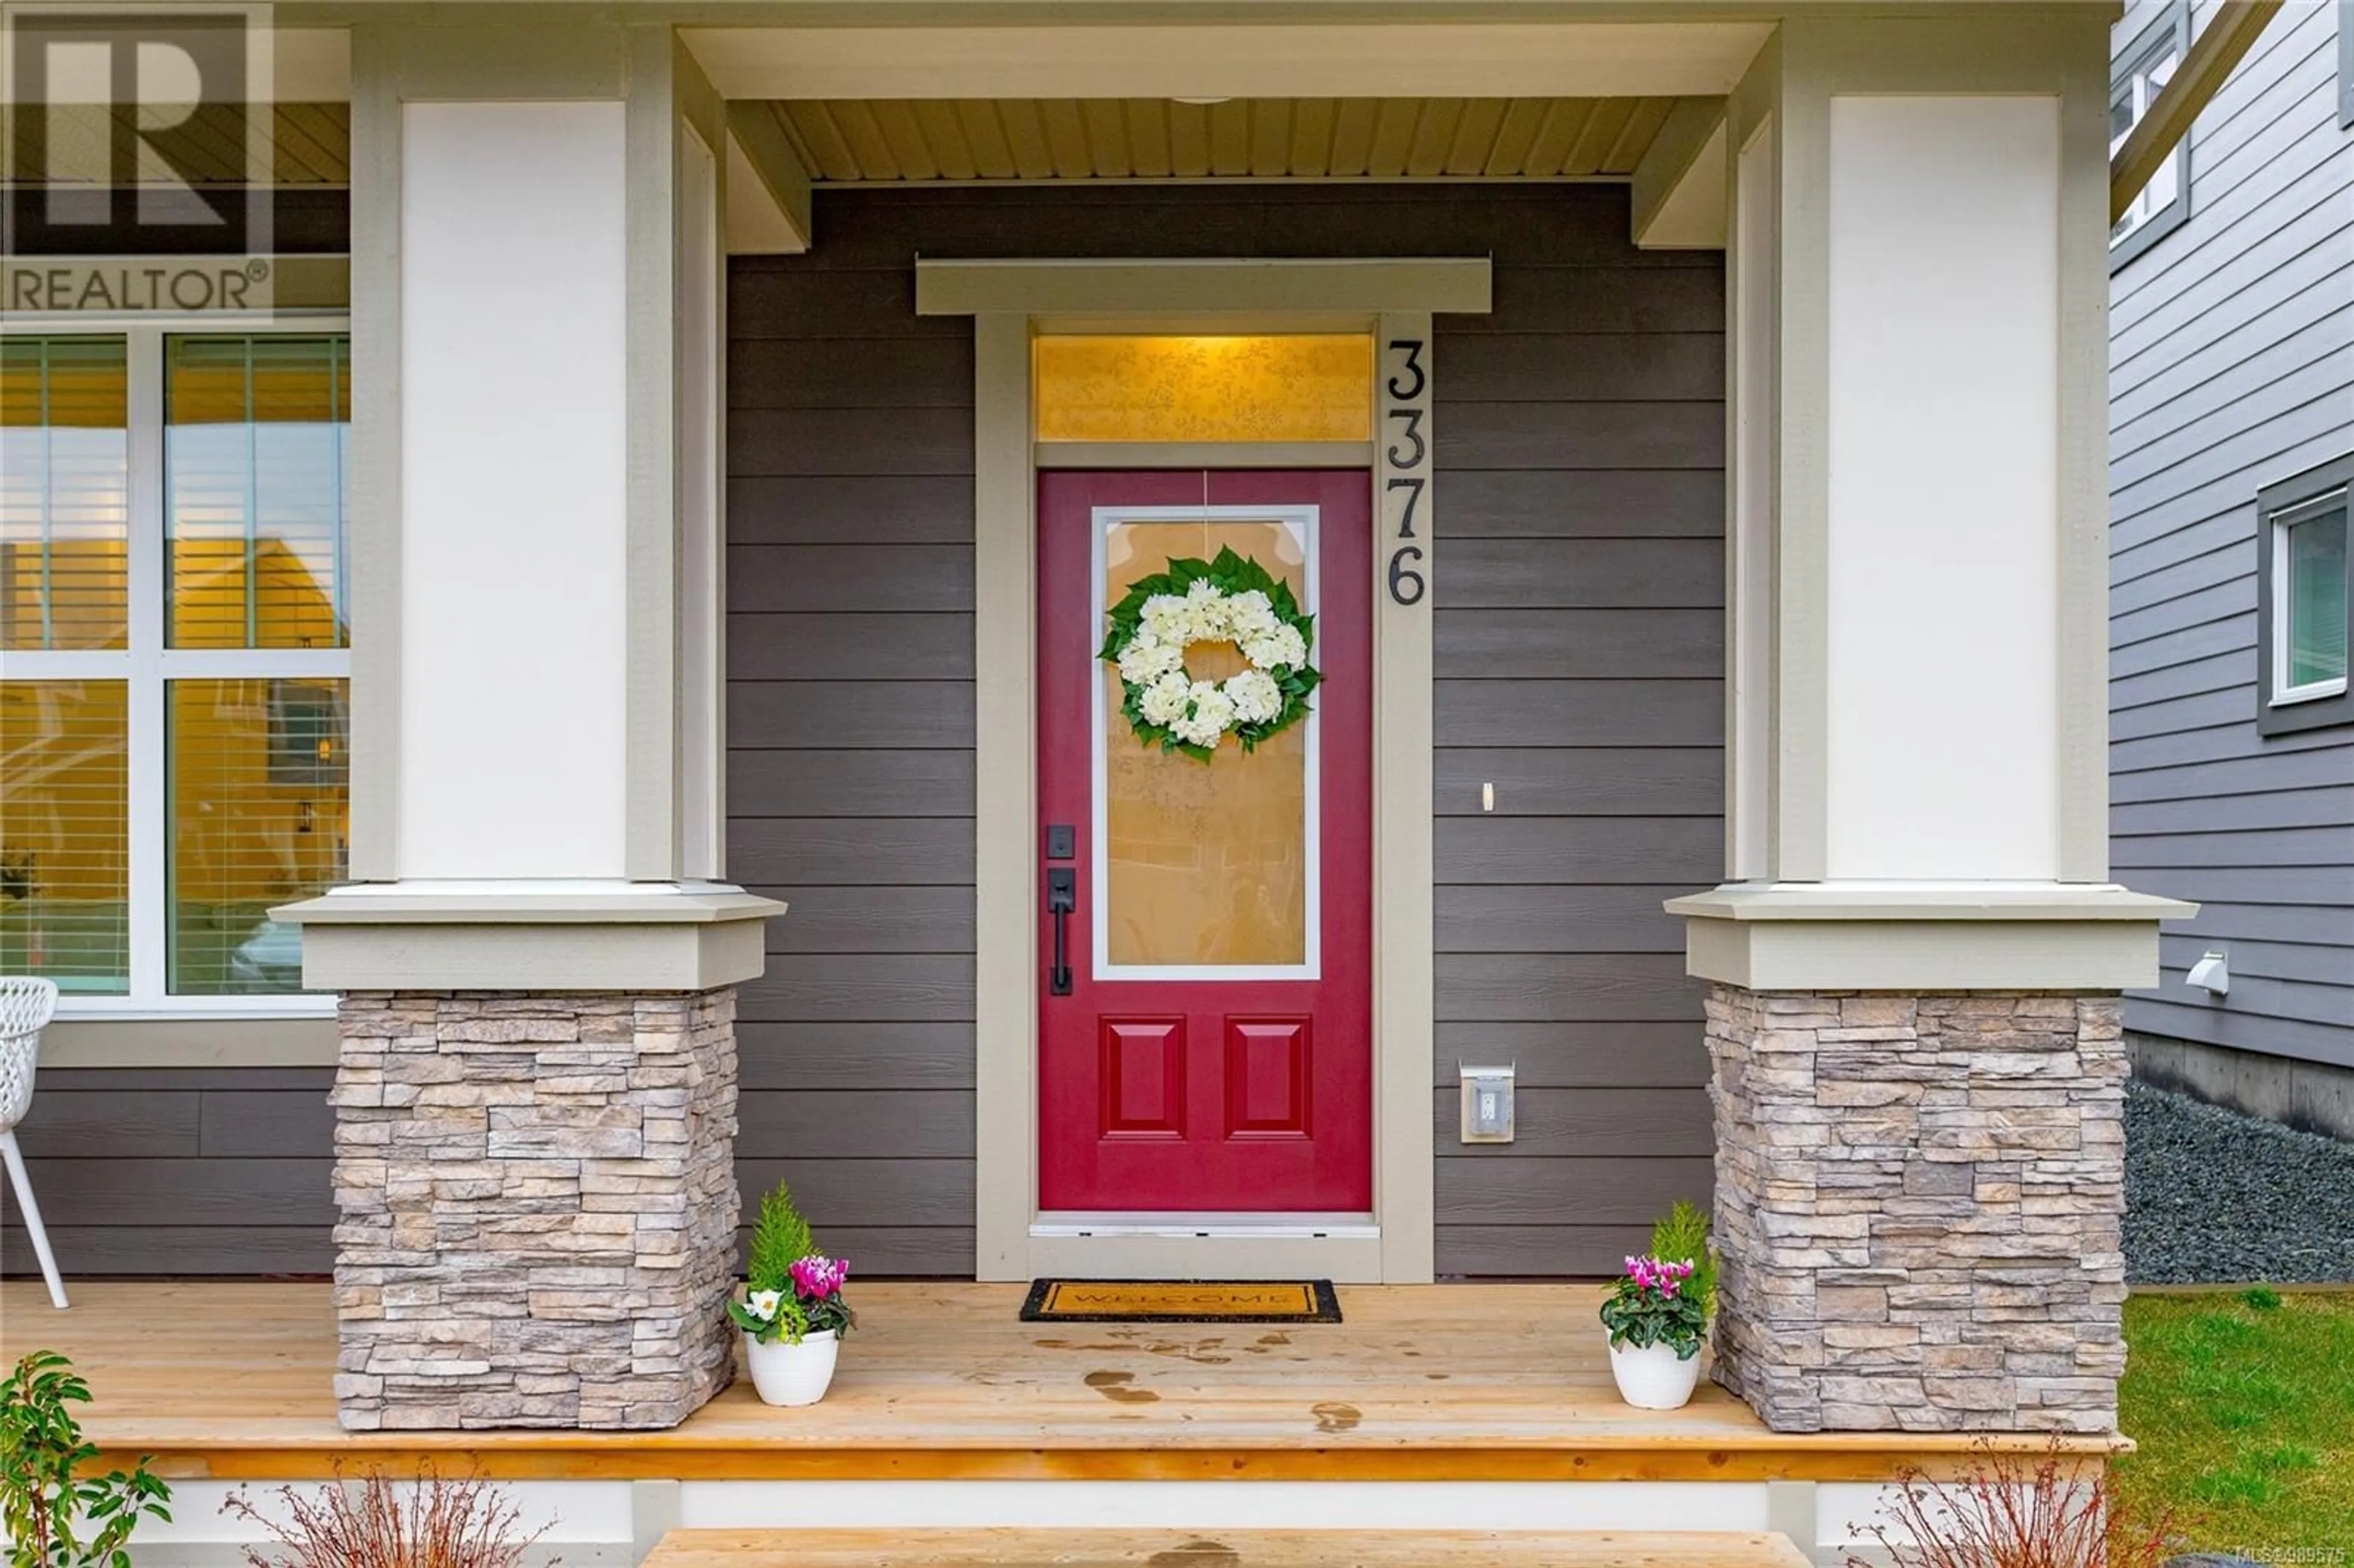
<point>1405,463</point>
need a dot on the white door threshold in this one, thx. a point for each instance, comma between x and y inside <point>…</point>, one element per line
<point>1205,1225</point>
<point>1345,1249</point>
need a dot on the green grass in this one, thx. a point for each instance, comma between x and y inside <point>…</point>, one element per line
<point>2243,1408</point>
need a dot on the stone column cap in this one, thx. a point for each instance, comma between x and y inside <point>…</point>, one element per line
<point>532,937</point>
<point>2041,900</point>
<point>495,902</point>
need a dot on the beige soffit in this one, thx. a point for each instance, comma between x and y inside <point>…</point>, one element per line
<point>309,144</point>
<point>900,140</point>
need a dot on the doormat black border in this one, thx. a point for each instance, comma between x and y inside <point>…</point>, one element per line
<point>1328,1304</point>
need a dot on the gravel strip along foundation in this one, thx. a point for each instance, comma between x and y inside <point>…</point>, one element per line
<point>2216,1197</point>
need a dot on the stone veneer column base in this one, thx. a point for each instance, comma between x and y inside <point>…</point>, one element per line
<point>537,1198</point>
<point>1918,1203</point>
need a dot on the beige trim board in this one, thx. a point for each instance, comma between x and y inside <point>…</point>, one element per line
<point>569,957</point>
<point>1009,300</point>
<point>1682,182</point>
<point>1261,58</point>
<point>193,1042</point>
<point>1005,763</point>
<point>768,190</point>
<point>1203,454</point>
<point>1954,902</point>
<point>1925,956</point>
<point>1162,288</point>
<point>490,905</point>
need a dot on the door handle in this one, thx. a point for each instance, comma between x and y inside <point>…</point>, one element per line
<point>1062,898</point>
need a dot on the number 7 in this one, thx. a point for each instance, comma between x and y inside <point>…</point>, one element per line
<point>1413,488</point>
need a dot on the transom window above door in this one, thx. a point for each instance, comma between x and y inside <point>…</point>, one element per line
<point>1303,386</point>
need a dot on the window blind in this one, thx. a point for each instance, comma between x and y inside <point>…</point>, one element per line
<point>65,520</point>
<point>65,832</point>
<point>261,815</point>
<point>257,447</point>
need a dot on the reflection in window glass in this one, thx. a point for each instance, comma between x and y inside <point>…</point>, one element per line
<point>65,820</point>
<point>260,808</point>
<point>2315,552</point>
<point>65,519</point>
<point>1309,387</point>
<point>257,449</point>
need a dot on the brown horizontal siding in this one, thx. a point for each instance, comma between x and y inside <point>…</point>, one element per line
<point>1579,589</point>
<point>178,1171</point>
<point>1579,642</point>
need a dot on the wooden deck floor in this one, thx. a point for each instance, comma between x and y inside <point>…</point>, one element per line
<point>1460,1382</point>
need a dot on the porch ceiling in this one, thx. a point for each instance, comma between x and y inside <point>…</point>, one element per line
<point>309,144</point>
<point>859,142</point>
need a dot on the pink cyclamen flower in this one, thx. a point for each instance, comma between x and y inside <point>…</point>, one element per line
<point>818,1276</point>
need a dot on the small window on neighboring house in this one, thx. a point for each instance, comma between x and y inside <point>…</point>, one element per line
<point>2140,73</point>
<point>2303,588</point>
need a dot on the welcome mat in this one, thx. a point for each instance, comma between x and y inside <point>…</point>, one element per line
<point>1181,1301</point>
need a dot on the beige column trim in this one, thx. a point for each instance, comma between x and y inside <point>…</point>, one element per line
<point>376,178</point>
<point>1800,768</point>
<point>1005,809</point>
<point>1404,921</point>
<point>1812,58</point>
<point>2081,641</point>
<point>649,800</point>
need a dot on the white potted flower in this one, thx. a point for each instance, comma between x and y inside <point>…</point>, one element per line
<point>791,1312</point>
<point>1657,1316</point>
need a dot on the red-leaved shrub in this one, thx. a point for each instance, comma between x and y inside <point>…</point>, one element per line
<point>2051,1509</point>
<point>440,1522</point>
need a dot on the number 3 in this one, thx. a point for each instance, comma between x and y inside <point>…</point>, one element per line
<point>1412,346</point>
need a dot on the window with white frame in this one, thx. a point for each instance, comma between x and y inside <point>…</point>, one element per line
<point>2141,72</point>
<point>2305,582</point>
<point>175,656</point>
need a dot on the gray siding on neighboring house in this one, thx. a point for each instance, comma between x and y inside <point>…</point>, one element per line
<point>1577,600</point>
<point>2232,366</point>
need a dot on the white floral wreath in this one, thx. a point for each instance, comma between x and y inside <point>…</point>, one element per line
<point>1231,599</point>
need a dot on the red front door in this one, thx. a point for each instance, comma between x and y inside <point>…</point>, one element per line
<point>1210,1047</point>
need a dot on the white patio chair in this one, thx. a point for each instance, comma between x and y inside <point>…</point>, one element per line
<point>26,1005</point>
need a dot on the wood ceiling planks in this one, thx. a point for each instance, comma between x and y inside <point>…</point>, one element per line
<point>847,142</point>
<point>912,140</point>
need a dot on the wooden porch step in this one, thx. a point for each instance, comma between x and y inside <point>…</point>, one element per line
<point>1221,1549</point>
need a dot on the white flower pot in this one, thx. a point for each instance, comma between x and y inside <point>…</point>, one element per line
<point>1651,1378</point>
<point>787,1373</point>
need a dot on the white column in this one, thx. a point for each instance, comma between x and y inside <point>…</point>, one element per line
<point>514,507</point>
<point>537,323</point>
<point>1918,539</point>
